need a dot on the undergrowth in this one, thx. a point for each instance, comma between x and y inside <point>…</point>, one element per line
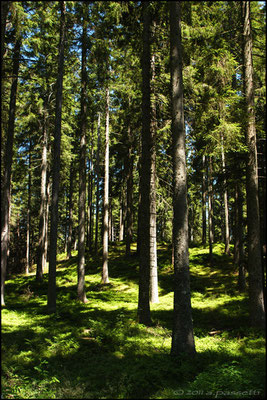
<point>98,349</point>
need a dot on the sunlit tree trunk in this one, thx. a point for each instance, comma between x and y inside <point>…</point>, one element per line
<point>97,183</point>
<point>82,171</point>
<point>204,197</point>
<point>145,175</point>
<point>70,224</point>
<point>210,209</point>
<point>225,198</point>
<point>154,297</point>
<point>105,278</point>
<point>182,334</point>
<point>28,236</point>
<point>129,183</point>
<point>255,277</point>
<point>51,300</point>
<point>42,217</point>
<point>239,240</point>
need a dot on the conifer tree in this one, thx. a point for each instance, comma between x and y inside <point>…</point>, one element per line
<point>182,334</point>
<point>51,300</point>
<point>256,301</point>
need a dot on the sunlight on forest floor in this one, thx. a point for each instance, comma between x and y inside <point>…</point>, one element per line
<point>98,350</point>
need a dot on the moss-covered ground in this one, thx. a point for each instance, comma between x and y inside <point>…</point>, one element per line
<point>98,350</point>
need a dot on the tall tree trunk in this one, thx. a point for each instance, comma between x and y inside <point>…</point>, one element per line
<point>154,297</point>
<point>204,197</point>
<point>97,183</point>
<point>182,334</point>
<point>210,209</point>
<point>51,300</point>
<point>70,225</point>
<point>239,241</point>
<point>47,221</point>
<point>6,193</point>
<point>129,183</point>
<point>225,198</point>
<point>145,175</point>
<point>105,278</point>
<point>255,278</point>
<point>82,171</point>
<point>42,217</point>
<point>28,244</point>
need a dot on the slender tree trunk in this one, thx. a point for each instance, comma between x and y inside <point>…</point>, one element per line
<point>255,278</point>
<point>105,278</point>
<point>47,221</point>
<point>121,227</point>
<point>97,183</point>
<point>70,225</point>
<point>6,193</point>
<point>210,206</point>
<point>182,334</point>
<point>239,241</point>
<point>154,297</point>
<point>82,172</point>
<point>145,175</point>
<point>42,217</point>
<point>129,183</point>
<point>204,197</point>
<point>226,211</point>
<point>51,300</point>
<point>28,251</point>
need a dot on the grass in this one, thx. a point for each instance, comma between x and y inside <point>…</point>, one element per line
<point>98,350</point>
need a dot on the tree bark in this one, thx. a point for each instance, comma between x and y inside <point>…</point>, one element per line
<point>239,241</point>
<point>70,225</point>
<point>182,334</point>
<point>105,278</point>
<point>255,277</point>
<point>97,183</point>
<point>42,216</point>
<point>6,193</point>
<point>82,171</point>
<point>154,297</point>
<point>225,198</point>
<point>28,236</point>
<point>129,183</point>
<point>145,175</point>
<point>204,197</point>
<point>210,208</point>
<point>51,300</point>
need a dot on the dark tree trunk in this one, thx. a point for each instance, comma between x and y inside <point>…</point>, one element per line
<point>105,278</point>
<point>255,277</point>
<point>182,334</point>
<point>82,171</point>
<point>6,193</point>
<point>51,300</point>
<point>145,176</point>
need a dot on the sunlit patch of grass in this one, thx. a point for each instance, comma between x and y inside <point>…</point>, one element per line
<point>98,349</point>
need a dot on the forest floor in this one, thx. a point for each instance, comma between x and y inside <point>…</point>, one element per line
<point>99,351</point>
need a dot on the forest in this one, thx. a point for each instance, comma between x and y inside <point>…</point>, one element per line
<point>133,199</point>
